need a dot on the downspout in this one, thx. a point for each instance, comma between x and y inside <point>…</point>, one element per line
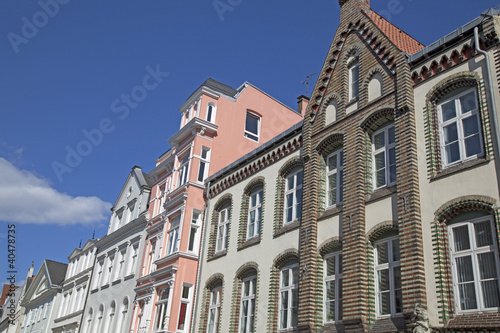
<point>201,257</point>
<point>490,86</point>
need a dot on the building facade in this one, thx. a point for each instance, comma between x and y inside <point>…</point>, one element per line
<point>109,303</point>
<point>218,125</point>
<point>40,301</point>
<point>250,256</point>
<point>75,288</point>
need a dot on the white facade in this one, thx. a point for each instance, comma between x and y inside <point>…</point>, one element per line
<point>109,304</point>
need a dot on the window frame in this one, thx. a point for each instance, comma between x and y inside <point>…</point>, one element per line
<point>224,226</point>
<point>257,208</point>
<point>296,213</point>
<point>249,324</point>
<point>458,120</point>
<point>174,235</point>
<point>194,232</point>
<point>184,169</point>
<point>184,316</point>
<point>339,178</point>
<point>337,280</point>
<point>385,149</point>
<point>205,161</point>
<point>249,134</point>
<point>292,291</point>
<point>391,265</point>
<point>214,310</point>
<point>353,66</point>
<point>473,252</point>
<point>211,119</point>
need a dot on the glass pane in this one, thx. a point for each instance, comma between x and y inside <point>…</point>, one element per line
<point>483,234</point>
<point>295,272</point>
<point>450,133</point>
<point>252,124</point>
<point>341,186</point>
<point>201,173</point>
<point>284,310</point>
<point>490,293</point>
<point>468,102</point>
<point>392,173</point>
<point>380,161</point>
<point>472,146</point>
<point>461,238</point>
<point>330,290</point>
<point>392,136</point>
<point>379,140</point>
<point>397,277</point>
<point>399,300</point>
<point>340,264</point>
<point>382,253</point>
<point>395,250</point>
<point>330,266</point>
<point>383,280</point>
<point>467,296</point>
<point>448,110</point>
<point>332,163</point>
<point>290,183</point>
<point>300,176</point>
<point>385,303</point>
<point>341,158</point>
<point>285,278</point>
<point>470,125</point>
<point>332,190</point>
<point>289,214</point>
<point>252,315</point>
<point>452,153</point>
<point>464,269</point>
<point>392,156</point>
<point>487,266</point>
<point>246,291</point>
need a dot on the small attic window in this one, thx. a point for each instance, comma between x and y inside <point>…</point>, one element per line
<point>129,192</point>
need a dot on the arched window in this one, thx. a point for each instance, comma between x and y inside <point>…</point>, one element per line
<point>88,322</point>
<point>332,273</point>
<point>353,69</point>
<point>384,157</point>
<point>220,226</point>
<point>335,177</point>
<point>211,109</point>
<point>98,326</point>
<point>122,323</point>
<point>331,111</point>
<point>288,295</point>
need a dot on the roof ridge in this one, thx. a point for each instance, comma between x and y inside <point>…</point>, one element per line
<point>418,45</point>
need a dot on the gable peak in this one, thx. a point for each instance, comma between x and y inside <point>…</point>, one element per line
<point>349,6</point>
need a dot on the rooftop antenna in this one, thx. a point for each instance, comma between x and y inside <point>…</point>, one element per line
<point>307,82</point>
<point>80,246</point>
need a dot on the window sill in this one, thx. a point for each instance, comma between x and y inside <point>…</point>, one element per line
<point>93,291</point>
<point>218,255</point>
<point>287,228</point>
<point>115,282</point>
<point>381,193</point>
<point>249,242</point>
<point>389,323</point>
<point>105,286</point>
<point>330,211</point>
<point>459,167</point>
<point>128,277</point>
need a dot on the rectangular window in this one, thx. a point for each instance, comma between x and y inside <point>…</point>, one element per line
<point>184,308</point>
<point>335,178</point>
<point>254,213</point>
<point>204,160</point>
<point>133,258</point>
<point>388,277</point>
<point>222,229</point>
<point>98,281</point>
<point>183,170</point>
<point>214,310</point>
<point>252,126</point>
<point>474,255</point>
<point>460,128</point>
<point>333,287</point>
<point>109,271</point>
<point>384,157</point>
<point>353,80</point>
<point>195,231</point>
<point>162,313</point>
<point>247,315</point>
<point>293,196</point>
<point>151,257</point>
<point>173,235</point>
<point>289,280</point>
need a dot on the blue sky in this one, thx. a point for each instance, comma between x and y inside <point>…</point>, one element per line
<point>68,67</point>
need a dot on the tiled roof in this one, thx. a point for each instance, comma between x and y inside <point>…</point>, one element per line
<point>398,37</point>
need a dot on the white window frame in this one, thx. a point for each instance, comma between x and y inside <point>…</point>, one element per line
<point>391,265</point>
<point>474,251</point>
<point>187,301</point>
<point>205,162</point>
<point>291,290</point>
<point>214,111</point>
<point>223,226</point>
<point>336,280</point>
<point>133,258</point>
<point>295,205</point>
<point>194,233</point>
<point>174,235</point>
<point>247,320</point>
<point>256,209</point>
<point>458,120</point>
<point>386,150</point>
<point>338,173</point>
<point>162,310</point>
<point>249,134</point>
<point>184,169</point>
<point>353,84</point>
<point>214,310</point>
<point>151,256</point>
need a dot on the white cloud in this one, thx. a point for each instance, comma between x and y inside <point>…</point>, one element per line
<point>26,198</point>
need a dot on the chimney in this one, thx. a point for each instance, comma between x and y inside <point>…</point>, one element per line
<point>303,101</point>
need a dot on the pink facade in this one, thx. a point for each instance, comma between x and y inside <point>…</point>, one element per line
<point>219,124</point>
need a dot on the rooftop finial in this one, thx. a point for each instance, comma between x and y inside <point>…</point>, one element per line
<point>93,234</point>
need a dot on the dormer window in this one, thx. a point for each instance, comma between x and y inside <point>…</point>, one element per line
<point>353,79</point>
